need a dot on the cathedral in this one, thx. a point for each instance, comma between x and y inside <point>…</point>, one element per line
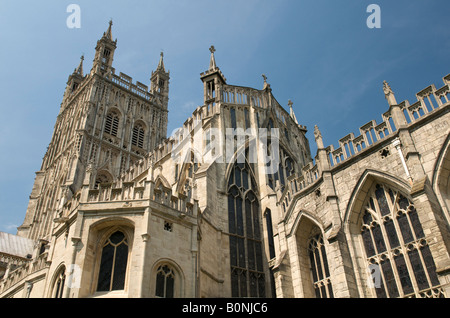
<point>233,204</point>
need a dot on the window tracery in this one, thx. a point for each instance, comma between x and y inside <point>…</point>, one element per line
<point>113,263</point>
<point>319,267</point>
<point>247,272</point>
<point>59,283</point>
<point>165,282</point>
<point>286,168</point>
<point>396,248</point>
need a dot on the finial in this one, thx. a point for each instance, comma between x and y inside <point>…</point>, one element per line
<point>266,85</point>
<point>318,137</point>
<point>389,94</point>
<point>161,62</point>
<point>79,69</point>
<point>386,88</point>
<point>108,33</point>
<point>291,111</point>
<point>212,62</point>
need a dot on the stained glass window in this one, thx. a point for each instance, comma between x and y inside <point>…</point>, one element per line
<point>319,267</point>
<point>165,280</point>
<point>394,242</point>
<point>246,258</point>
<point>286,168</point>
<point>113,263</point>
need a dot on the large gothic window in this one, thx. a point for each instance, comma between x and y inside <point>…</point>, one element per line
<point>112,123</point>
<point>319,267</point>
<point>113,263</point>
<point>247,273</point>
<point>397,251</point>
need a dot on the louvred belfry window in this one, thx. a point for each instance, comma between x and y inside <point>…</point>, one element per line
<point>398,256</point>
<point>138,136</point>
<point>112,123</point>
<point>247,273</point>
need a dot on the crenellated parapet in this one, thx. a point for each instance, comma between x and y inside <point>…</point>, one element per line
<point>402,115</point>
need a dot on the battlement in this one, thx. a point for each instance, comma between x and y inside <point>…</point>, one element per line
<point>125,81</point>
<point>371,134</point>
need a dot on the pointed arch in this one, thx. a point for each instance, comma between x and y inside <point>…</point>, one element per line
<point>160,179</point>
<point>57,282</point>
<point>112,239</point>
<point>364,183</point>
<point>314,277</point>
<point>138,134</point>
<point>387,240</point>
<point>112,121</point>
<point>441,178</point>
<point>167,279</point>
<point>248,277</point>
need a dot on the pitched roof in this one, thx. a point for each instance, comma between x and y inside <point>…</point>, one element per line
<point>15,245</point>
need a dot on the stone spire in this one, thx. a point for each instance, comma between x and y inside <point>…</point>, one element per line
<point>389,94</point>
<point>291,111</point>
<point>108,33</point>
<point>161,63</point>
<point>79,69</point>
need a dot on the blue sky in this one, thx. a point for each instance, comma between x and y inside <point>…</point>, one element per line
<point>318,53</point>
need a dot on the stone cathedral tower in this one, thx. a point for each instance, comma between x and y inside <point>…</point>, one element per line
<point>105,121</point>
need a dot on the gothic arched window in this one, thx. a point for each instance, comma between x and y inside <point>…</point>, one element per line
<point>138,136</point>
<point>319,267</point>
<point>165,282</point>
<point>397,251</point>
<point>247,272</point>
<point>286,168</point>
<point>113,263</point>
<point>58,287</point>
<point>112,123</point>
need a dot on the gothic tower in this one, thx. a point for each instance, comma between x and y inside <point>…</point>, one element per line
<point>105,122</point>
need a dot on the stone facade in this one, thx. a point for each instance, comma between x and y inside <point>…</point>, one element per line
<point>233,204</point>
